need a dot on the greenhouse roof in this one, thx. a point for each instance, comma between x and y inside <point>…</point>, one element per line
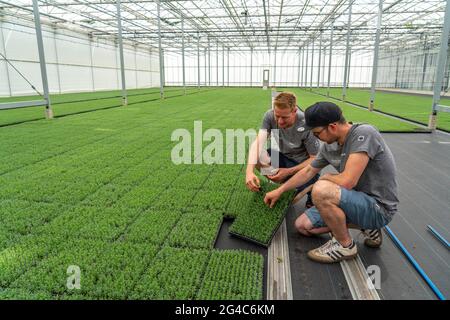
<point>245,24</point>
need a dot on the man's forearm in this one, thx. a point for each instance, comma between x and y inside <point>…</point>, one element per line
<point>302,165</point>
<point>298,179</point>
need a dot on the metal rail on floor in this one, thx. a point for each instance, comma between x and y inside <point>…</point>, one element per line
<point>279,284</point>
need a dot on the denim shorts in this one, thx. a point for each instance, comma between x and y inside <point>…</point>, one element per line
<point>359,208</point>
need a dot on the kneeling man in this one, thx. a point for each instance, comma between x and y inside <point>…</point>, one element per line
<point>363,194</point>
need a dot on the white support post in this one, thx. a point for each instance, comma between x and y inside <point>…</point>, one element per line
<point>122,63</point>
<point>376,51</point>
<point>4,53</point>
<point>58,73</point>
<point>440,68</point>
<point>347,53</point>
<point>40,43</point>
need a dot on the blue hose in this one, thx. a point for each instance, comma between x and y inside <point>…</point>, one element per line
<point>439,237</point>
<point>430,283</point>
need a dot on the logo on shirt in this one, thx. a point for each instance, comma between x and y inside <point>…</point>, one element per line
<point>300,129</point>
<point>361,138</point>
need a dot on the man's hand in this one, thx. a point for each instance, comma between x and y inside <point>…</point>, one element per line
<point>281,175</point>
<point>272,197</point>
<point>252,182</point>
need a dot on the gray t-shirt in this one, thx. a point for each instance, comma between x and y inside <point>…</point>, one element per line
<point>295,142</point>
<point>379,178</point>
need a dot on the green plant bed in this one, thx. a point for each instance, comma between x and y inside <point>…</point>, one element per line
<point>408,106</point>
<point>355,114</point>
<point>222,280</point>
<point>255,220</point>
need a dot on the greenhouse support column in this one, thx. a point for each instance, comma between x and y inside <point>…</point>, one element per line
<point>150,65</point>
<point>209,63</point>
<point>58,73</point>
<point>349,68</point>
<point>347,53</point>
<point>375,56</point>
<point>440,68</point>
<point>205,67</point>
<point>320,60</point>
<point>116,46</point>
<point>122,63</point>
<point>161,58</point>
<point>396,72</point>
<point>4,53</point>
<point>163,68</point>
<point>182,55</point>
<point>303,67</point>
<point>299,63</point>
<point>217,64</point>
<point>425,61</point>
<point>223,66</point>
<point>198,61</point>
<point>251,67</point>
<point>91,60</point>
<point>329,59</point>
<point>136,79</point>
<point>274,67</point>
<point>306,67</point>
<point>322,77</point>
<point>312,66</point>
<point>228,66</point>
<point>40,43</point>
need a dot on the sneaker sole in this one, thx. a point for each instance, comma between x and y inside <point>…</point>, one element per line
<point>374,246</point>
<point>315,259</point>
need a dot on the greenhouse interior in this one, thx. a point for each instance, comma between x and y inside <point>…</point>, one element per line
<point>128,129</point>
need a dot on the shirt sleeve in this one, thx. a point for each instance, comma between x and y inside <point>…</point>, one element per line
<point>311,143</point>
<point>320,161</point>
<point>267,121</point>
<point>368,140</point>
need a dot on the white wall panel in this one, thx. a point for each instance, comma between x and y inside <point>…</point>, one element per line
<point>103,56</point>
<point>105,79</point>
<point>130,79</point>
<point>129,59</point>
<point>144,79</point>
<point>15,42</point>
<point>74,61</point>
<point>4,87</point>
<point>73,52</point>
<point>52,76</point>
<point>32,72</point>
<point>143,62</point>
<point>75,78</point>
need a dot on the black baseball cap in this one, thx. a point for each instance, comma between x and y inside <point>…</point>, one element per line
<point>321,114</point>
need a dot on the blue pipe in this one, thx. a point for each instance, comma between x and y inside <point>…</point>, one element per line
<point>438,236</point>
<point>430,283</point>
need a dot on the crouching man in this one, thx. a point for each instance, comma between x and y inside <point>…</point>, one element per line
<point>362,194</point>
<point>297,145</point>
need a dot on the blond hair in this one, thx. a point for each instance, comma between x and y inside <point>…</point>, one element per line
<point>285,100</point>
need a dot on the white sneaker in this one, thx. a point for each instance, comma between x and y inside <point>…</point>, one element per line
<point>332,252</point>
<point>372,238</point>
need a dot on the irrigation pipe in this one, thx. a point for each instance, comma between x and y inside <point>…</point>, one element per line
<point>439,237</point>
<point>419,269</point>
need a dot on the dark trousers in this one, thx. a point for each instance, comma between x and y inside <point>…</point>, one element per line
<point>285,162</point>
